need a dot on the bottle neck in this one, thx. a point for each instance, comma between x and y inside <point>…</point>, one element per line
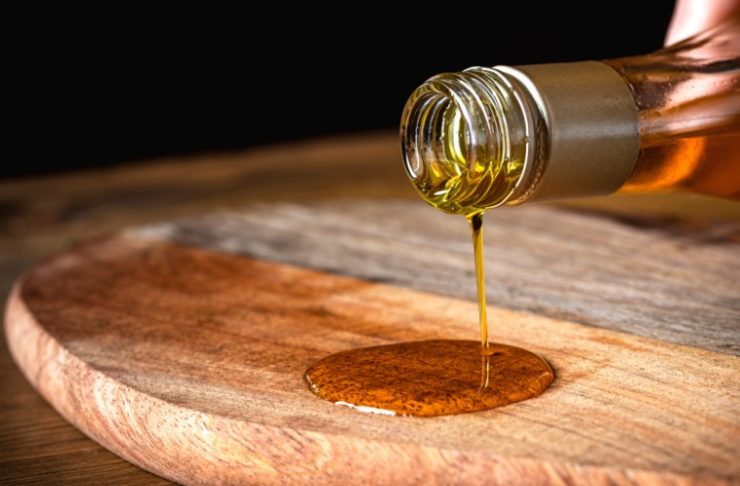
<point>467,140</point>
<point>505,135</point>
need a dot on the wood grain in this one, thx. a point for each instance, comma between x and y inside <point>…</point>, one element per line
<point>678,283</point>
<point>40,216</point>
<point>189,363</point>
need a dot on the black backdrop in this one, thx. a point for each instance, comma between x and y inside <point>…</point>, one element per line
<point>132,86</point>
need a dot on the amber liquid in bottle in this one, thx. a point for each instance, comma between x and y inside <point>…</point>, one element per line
<point>688,100</point>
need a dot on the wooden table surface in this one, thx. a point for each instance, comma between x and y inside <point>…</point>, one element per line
<point>41,216</point>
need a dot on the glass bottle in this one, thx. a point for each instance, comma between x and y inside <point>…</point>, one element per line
<point>486,137</point>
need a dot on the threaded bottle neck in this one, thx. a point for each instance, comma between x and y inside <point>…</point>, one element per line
<point>467,140</point>
<point>505,135</point>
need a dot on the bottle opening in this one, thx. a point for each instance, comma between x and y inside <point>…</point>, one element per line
<point>465,140</point>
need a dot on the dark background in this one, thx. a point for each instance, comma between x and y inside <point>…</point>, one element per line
<point>126,86</point>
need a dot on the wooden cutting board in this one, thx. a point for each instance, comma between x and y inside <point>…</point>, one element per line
<point>181,346</point>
